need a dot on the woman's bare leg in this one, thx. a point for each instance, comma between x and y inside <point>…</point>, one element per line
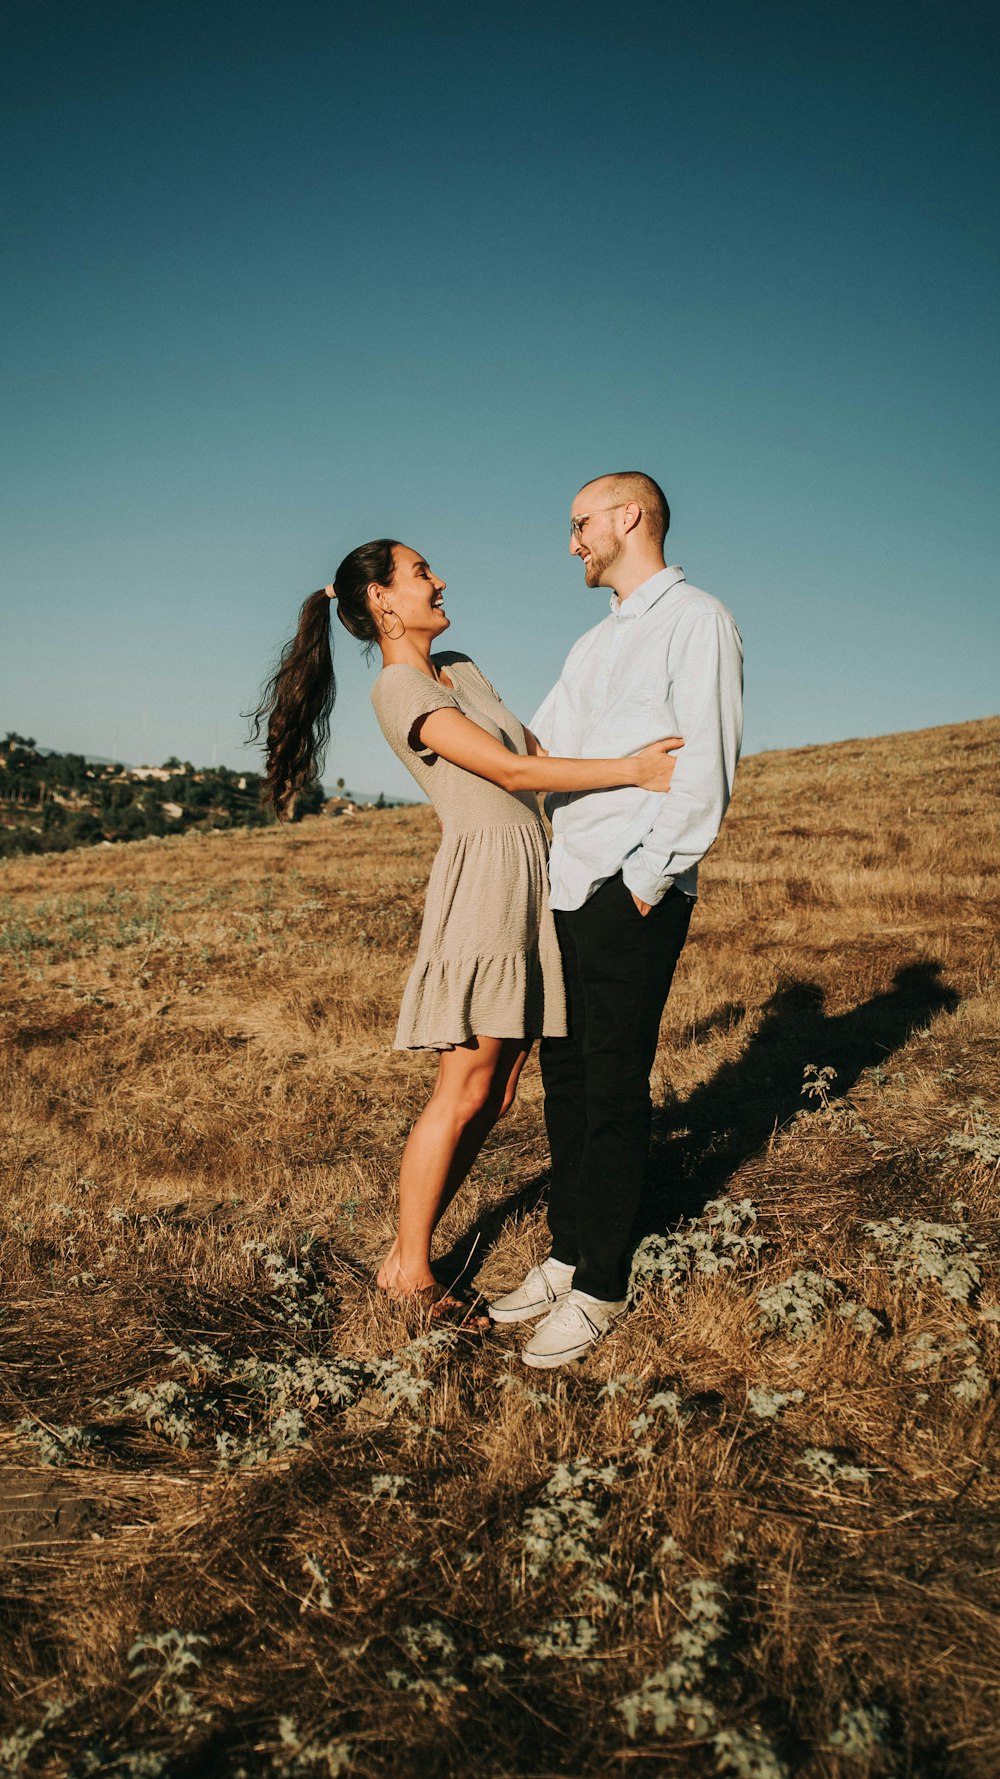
<point>476,1133</point>
<point>476,1082</point>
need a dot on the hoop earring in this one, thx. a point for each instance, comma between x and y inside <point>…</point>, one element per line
<point>392,635</point>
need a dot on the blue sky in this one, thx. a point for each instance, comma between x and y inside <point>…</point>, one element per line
<point>282,281</point>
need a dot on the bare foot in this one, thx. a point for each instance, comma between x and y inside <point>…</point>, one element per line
<point>443,1304</point>
<point>392,1279</point>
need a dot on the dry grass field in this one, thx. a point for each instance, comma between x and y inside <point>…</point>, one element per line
<point>253,1521</point>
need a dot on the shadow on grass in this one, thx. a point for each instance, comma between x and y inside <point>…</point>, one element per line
<point>701,1142</point>
<point>467,1253</point>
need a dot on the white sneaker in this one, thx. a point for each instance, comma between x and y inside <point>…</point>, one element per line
<point>544,1287</point>
<point>570,1330</point>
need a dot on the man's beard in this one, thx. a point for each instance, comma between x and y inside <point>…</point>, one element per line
<point>602,555</point>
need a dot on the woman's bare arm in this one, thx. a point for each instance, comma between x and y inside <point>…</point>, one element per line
<point>456,738</point>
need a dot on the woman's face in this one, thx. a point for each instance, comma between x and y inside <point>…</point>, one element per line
<point>415,595</point>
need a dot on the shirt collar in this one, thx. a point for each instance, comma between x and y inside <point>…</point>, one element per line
<point>647,594</point>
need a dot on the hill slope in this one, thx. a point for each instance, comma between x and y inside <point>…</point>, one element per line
<point>755,1533</point>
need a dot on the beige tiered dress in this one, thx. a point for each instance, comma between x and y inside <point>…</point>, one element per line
<point>488,960</point>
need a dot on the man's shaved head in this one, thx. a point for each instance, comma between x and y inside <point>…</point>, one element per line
<point>625,485</point>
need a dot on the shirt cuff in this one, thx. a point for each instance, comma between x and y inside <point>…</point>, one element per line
<point>643,884</point>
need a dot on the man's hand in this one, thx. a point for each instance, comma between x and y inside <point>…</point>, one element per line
<point>643,907</point>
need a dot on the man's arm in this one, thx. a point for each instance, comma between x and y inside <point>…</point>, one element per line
<point>707,674</point>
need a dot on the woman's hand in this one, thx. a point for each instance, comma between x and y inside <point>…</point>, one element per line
<point>654,765</point>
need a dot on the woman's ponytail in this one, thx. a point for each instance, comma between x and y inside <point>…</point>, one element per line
<point>296,704</point>
<point>299,696</point>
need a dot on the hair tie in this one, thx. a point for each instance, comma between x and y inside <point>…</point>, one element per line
<point>330,590</point>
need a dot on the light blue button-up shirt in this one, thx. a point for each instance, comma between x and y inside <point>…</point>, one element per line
<point>667,661</point>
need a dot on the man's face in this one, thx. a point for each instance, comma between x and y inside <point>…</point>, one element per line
<point>593,535</point>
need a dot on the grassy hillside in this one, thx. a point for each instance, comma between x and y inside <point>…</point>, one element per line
<point>254,1521</point>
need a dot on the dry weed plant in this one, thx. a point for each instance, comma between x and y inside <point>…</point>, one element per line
<point>255,1521</point>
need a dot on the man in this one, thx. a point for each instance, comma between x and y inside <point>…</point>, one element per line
<point>624,870</point>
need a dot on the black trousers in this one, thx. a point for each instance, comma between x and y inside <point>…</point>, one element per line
<point>619,965</point>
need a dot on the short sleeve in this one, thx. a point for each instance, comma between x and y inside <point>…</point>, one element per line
<point>401,696</point>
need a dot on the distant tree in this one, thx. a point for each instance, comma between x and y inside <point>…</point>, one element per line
<point>85,829</point>
<point>21,840</point>
<point>309,800</point>
<point>74,770</point>
<point>380,800</point>
<point>128,823</point>
<point>340,787</point>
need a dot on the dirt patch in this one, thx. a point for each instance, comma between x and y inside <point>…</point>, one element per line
<point>39,1510</point>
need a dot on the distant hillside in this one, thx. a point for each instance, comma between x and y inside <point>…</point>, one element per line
<point>52,802</point>
<point>373,799</point>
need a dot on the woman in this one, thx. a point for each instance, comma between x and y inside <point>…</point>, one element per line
<point>487,978</point>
